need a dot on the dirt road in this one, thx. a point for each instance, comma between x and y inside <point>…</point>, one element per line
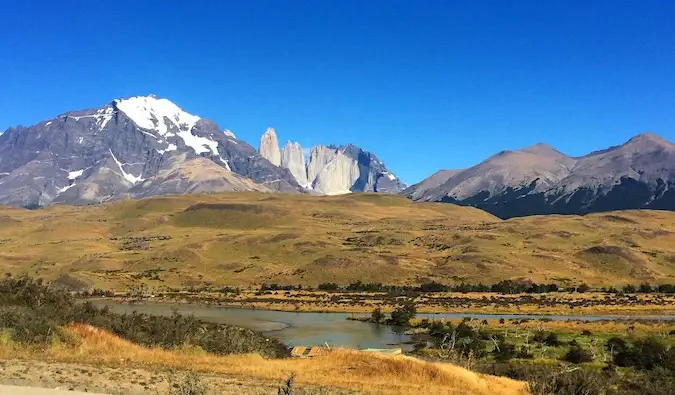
<point>14,390</point>
<point>127,381</point>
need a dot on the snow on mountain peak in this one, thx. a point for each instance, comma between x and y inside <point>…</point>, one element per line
<point>149,112</point>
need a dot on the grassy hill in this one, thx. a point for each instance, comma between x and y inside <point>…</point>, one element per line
<point>250,238</point>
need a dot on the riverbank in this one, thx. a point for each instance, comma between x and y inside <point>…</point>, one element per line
<point>336,371</point>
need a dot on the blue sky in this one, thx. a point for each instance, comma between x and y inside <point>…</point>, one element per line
<point>423,84</point>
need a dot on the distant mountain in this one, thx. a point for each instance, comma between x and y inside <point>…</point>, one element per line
<point>331,170</point>
<point>541,180</point>
<point>133,147</point>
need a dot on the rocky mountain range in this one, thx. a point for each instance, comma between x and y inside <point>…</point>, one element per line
<point>541,180</point>
<point>331,170</point>
<point>145,146</point>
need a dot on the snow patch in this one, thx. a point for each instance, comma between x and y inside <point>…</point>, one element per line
<point>150,112</point>
<point>228,133</point>
<point>104,116</point>
<point>171,147</point>
<point>101,117</point>
<point>390,176</point>
<point>74,174</point>
<point>61,190</point>
<point>225,162</point>
<point>127,176</point>
<point>48,123</point>
<point>149,134</point>
<point>198,144</point>
<point>80,140</point>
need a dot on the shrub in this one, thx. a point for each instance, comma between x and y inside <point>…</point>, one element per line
<point>403,314</point>
<point>377,316</point>
<point>643,354</point>
<point>33,312</point>
<point>190,384</point>
<point>547,338</point>
<point>578,355</point>
<point>573,383</point>
<point>504,351</point>
<point>616,345</point>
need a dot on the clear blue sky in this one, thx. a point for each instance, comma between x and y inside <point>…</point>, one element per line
<point>423,84</point>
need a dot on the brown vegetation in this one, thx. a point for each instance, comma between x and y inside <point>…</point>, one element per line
<point>338,368</point>
<point>246,239</point>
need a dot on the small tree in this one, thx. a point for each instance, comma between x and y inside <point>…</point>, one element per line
<point>403,314</point>
<point>578,355</point>
<point>504,351</point>
<point>376,316</point>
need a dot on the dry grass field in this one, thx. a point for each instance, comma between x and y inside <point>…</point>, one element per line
<point>558,303</point>
<point>338,370</point>
<point>245,239</point>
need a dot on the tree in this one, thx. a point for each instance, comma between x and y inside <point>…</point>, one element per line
<point>403,314</point>
<point>376,316</point>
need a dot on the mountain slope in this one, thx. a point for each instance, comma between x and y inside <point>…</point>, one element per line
<point>541,180</point>
<point>107,153</point>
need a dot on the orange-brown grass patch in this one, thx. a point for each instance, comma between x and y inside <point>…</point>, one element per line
<point>638,328</point>
<point>377,374</point>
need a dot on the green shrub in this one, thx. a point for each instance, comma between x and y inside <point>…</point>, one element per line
<point>403,314</point>
<point>578,355</point>
<point>504,351</point>
<point>377,316</point>
<point>33,312</point>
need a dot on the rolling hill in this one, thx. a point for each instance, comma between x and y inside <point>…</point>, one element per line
<point>247,238</point>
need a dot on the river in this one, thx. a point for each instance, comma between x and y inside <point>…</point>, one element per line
<point>300,328</point>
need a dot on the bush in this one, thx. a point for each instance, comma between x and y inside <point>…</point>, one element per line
<point>190,384</point>
<point>573,383</point>
<point>504,351</point>
<point>643,354</point>
<point>33,313</point>
<point>377,316</point>
<point>578,355</point>
<point>548,338</point>
<point>403,314</point>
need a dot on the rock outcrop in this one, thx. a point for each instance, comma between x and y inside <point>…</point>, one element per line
<point>333,170</point>
<point>269,147</point>
<point>293,159</point>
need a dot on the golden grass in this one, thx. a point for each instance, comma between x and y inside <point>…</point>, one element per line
<point>245,239</point>
<point>473,303</point>
<point>619,328</point>
<point>386,375</point>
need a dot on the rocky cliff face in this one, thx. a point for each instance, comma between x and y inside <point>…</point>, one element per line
<point>125,148</point>
<point>333,170</point>
<point>541,180</point>
<point>269,147</point>
<point>293,159</point>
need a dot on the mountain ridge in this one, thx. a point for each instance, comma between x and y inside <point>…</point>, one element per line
<point>541,180</point>
<point>141,146</point>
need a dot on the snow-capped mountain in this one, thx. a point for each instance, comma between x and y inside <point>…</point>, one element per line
<point>540,180</point>
<point>331,170</point>
<point>134,147</point>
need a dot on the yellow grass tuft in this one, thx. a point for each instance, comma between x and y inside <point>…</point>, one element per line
<point>377,374</point>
